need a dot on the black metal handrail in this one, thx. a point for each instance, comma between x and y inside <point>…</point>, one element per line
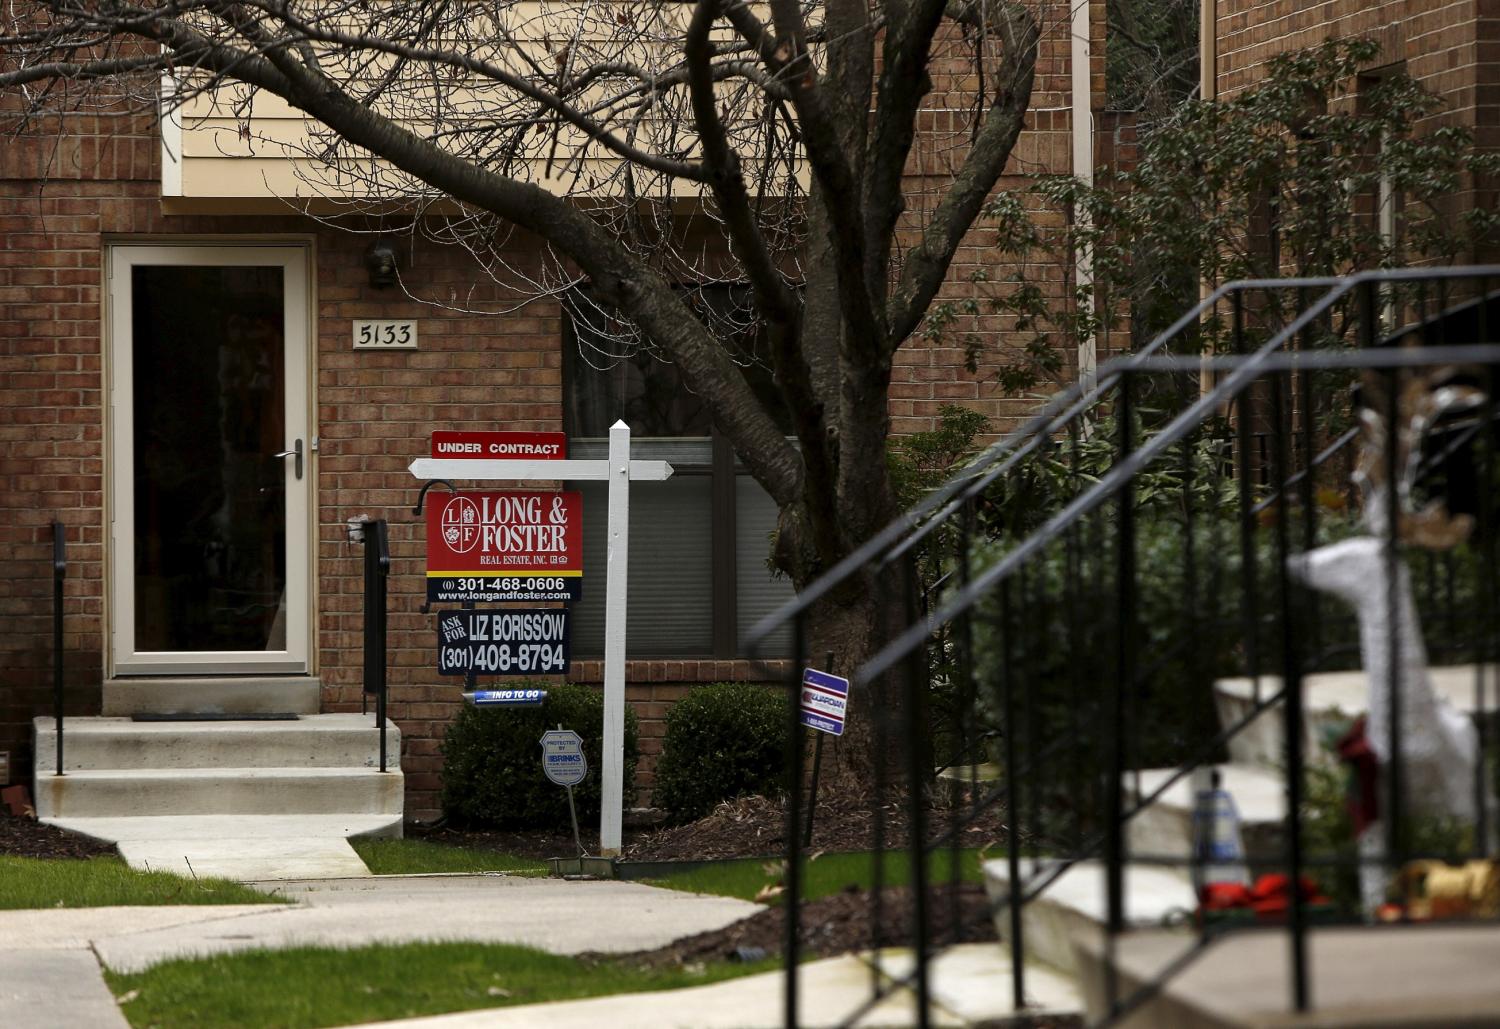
<point>59,571</point>
<point>375,537</point>
<point>972,596</point>
<point>1000,457</point>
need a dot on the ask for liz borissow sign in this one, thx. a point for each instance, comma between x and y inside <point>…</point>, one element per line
<point>504,545</point>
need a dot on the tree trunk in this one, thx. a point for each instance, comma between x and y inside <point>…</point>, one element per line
<point>843,630</point>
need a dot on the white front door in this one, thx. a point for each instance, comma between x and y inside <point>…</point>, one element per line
<point>210,459</point>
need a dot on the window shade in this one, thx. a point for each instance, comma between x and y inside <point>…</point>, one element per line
<point>758,592</point>
<point>670,606</point>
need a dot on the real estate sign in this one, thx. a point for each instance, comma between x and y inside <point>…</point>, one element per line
<point>505,545</point>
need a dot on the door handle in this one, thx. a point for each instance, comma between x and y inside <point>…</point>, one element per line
<point>296,454</point>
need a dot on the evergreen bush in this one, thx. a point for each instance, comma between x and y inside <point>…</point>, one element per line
<point>492,761</point>
<point>723,740</point>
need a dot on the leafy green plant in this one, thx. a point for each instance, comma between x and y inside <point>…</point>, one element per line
<point>492,761</point>
<point>723,740</point>
<point>1281,179</point>
<point>922,461</point>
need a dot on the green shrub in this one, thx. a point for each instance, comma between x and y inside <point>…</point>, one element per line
<point>492,761</point>
<point>723,740</point>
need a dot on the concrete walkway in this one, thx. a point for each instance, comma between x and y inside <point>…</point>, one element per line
<point>50,959</point>
<point>242,847</point>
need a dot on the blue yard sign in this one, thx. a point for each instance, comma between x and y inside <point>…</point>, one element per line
<point>823,701</point>
<point>506,698</point>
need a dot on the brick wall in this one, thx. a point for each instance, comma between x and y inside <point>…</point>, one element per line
<point>57,194</point>
<point>930,373</point>
<point>1452,47</point>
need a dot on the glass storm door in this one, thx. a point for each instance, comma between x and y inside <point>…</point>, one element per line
<point>210,459</point>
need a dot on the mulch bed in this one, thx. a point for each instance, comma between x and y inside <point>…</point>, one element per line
<point>26,837</point>
<point>835,924</point>
<point>756,827</point>
<point>746,827</point>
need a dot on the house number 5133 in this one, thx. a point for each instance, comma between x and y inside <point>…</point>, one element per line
<point>385,335</point>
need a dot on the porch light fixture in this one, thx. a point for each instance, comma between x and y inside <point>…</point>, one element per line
<point>380,262</point>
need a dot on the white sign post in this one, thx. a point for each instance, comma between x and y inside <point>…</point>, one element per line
<point>619,471</point>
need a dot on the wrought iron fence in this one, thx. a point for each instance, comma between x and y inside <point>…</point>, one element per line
<point>1073,595</point>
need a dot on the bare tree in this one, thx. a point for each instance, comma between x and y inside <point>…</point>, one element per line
<point>783,131</point>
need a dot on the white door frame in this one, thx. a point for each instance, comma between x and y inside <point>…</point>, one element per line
<point>296,262</point>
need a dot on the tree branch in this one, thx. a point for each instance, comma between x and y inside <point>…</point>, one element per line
<point>317,31</point>
<point>728,184</point>
<point>788,61</point>
<point>904,81</point>
<point>927,264</point>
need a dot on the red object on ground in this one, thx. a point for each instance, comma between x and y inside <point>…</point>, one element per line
<point>1268,898</point>
<point>1272,895</point>
<point>1224,896</point>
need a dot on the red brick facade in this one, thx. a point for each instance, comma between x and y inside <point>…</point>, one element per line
<point>65,196</point>
<point>1451,47</point>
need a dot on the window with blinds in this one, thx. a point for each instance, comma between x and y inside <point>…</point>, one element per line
<point>699,542</point>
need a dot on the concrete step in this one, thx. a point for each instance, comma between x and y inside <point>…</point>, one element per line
<point>218,791</point>
<point>244,694</point>
<point>312,741</point>
<point>243,847</point>
<point>1331,700</point>
<point>1393,977</point>
<point>1165,827</point>
<point>1074,905</point>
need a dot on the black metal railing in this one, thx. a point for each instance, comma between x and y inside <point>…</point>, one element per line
<point>375,537</point>
<point>59,572</point>
<point>1073,595</point>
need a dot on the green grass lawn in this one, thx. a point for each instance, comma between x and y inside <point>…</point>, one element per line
<point>308,987</point>
<point>415,857</point>
<point>108,882</point>
<point>826,874</point>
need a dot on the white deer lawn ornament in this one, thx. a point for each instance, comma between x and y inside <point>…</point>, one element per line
<point>1439,745</point>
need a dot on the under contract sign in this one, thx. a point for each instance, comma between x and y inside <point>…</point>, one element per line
<point>500,446</point>
<point>505,545</point>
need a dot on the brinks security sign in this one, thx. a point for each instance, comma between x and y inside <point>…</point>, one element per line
<point>508,545</point>
<point>562,757</point>
<point>824,701</point>
<point>514,642</point>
